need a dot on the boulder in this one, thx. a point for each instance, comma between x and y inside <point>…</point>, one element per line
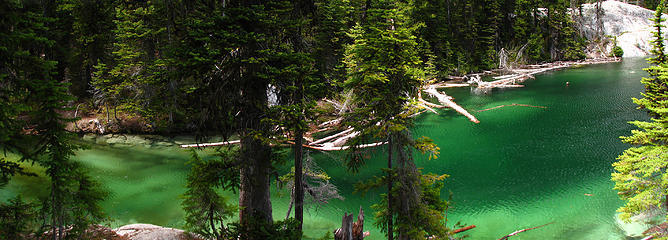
<point>152,232</point>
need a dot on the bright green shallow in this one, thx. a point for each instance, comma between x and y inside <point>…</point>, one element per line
<point>520,167</point>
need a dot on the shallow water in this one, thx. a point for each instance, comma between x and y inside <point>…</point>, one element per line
<point>519,167</point>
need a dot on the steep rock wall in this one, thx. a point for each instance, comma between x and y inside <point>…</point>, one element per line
<point>631,24</point>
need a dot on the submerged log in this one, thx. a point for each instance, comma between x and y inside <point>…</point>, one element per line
<point>509,105</point>
<point>523,230</point>
<point>463,229</point>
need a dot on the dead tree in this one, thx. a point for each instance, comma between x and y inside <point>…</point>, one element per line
<point>350,230</point>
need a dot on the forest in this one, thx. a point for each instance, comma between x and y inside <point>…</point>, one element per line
<point>257,72</point>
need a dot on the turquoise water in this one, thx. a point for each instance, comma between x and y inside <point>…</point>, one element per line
<point>519,167</point>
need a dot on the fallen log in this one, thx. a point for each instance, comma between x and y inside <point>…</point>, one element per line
<point>463,229</point>
<point>325,139</point>
<point>331,148</point>
<point>430,104</point>
<point>210,144</point>
<point>511,86</point>
<point>331,122</point>
<point>523,230</point>
<point>445,100</point>
<point>509,105</point>
<point>425,106</point>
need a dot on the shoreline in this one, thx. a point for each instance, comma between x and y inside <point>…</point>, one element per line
<point>91,128</point>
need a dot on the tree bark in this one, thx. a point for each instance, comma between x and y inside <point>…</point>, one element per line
<point>299,186</point>
<point>211,223</point>
<point>254,198</point>
<point>666,203</point>
<point>390,228</point>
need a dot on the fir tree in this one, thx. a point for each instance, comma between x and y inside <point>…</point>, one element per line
<point>385,72</point>
<point>641,172</point>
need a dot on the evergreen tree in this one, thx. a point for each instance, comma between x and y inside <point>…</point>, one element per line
<point>385,72</point>
<point>641,172</point>
<point>129,80</point>
<point>206,210</point>
<point>35,99</point>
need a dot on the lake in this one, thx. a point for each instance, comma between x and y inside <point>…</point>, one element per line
<point>519,167</point>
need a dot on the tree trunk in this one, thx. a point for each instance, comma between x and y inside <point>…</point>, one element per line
<point>255,173</point>
<point>299,188</point>
<point>107,106</point>
<point>390,228</point>
<point>211,223</point>
<point>54,221</point>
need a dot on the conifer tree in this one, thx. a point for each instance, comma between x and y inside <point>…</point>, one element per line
<point>641,172</point>
<point>128,80</point>
<point>385,73</point>
<point>36,100</point>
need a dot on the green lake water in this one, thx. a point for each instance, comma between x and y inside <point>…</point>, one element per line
<point>519,167</point>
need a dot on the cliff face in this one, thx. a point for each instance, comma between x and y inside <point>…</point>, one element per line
<point>631,25</point>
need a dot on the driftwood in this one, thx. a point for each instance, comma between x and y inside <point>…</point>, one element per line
<point>323,140</point>
<point>331,122</point>
<point>445,100</point>
<point>342,147</point>
<point>508,105</point>
<point>350,230</point>
<point>463,229</point>
<point>520,74</point>
<point>520,231</point>
<point>211,144</point>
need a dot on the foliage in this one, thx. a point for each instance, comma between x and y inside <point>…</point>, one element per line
<point>385,73</point>
<point>429,212</point>
<point>658,49</point>
<point>641,172</point>
<point>260,229</point>
<point>33,123</point>
<point>206,210</point>
<point>17,218</point>
<point>617,51</point>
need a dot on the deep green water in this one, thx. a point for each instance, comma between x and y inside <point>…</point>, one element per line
<point>519,167</point>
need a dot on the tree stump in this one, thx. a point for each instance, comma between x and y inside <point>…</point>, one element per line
<point>350,230</point>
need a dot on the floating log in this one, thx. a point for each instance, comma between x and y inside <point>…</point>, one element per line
<point>520,74</point>
<point>325,139</point>
<point>520,231</point>
<point>211,144</point>
<point>463,229</point>
<point>508,105</point>
<point>445,100</point>
<point>450,85</point>
<point>333,148</point>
